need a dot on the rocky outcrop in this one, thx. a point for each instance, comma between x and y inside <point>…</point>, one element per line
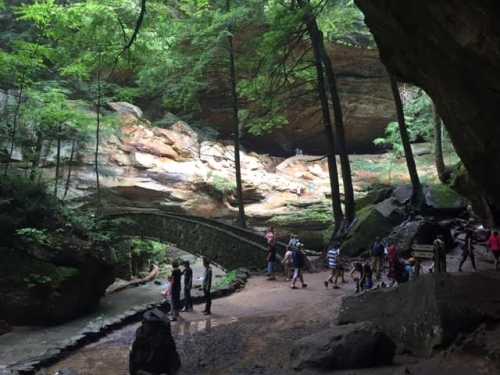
<point>351,346</point>
<point>154,350</point>
<point>49,286</point>
<point>429,313</point>
<point>366,100</point>
<point>452,50</point>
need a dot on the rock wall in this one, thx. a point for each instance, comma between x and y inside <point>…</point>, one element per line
<point>452,50</point>
<point>366,99</point>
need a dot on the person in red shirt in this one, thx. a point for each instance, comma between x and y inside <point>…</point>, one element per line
<point>494,246</point>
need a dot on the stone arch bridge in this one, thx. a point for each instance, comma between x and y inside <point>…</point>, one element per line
<point>227,245</point>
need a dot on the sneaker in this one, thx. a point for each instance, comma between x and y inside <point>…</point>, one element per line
<point>336,287</point>
<point>326,284</point>
<point>293,287</point>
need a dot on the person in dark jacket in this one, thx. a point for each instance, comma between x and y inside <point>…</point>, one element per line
<point>176,290</point>
<point>188,285</point>
<point>299,262</point>
<point>468,249</point>
<point>207,286</point>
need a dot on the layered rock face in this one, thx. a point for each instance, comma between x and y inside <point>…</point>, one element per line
<point>366,99</point>
<point>452,50</point>
<point>184,170</point>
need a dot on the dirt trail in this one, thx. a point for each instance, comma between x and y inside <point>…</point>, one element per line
<point>251,332</point>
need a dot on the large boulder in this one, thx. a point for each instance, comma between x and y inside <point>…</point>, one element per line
<point>419,231</point>
<point>50,286</point>
<point>352,346</point>
<point>429,313</point>
<point>154,350</point>
<point>441,200</point>
<point>452,50</point>
<point>372,221</point>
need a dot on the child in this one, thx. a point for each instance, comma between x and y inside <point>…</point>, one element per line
<point>167,293</point>
<point>287,264</point>
<point>333,256</point>
<point>357,275</point>
<point>367,278</point>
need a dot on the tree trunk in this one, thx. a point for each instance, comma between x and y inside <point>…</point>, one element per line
<point>58,160</point>
<point>14,128</point>
<point>97,140</point>
<point>236,124</point>
<point>70,168</point>
<point>350,209</point>
<point>37,156</point>
<point>438,147</point>
<point>405,140</point>
<point>327,122</point>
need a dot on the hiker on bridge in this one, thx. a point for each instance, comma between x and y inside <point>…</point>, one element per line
<point>439,249</point>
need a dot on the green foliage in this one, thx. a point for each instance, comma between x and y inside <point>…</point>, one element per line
<point>24,204</point>
<point>153,250</point>
<point>34,236</point>
<point>228,280</point>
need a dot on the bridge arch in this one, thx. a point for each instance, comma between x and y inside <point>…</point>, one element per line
<point>227,245</point>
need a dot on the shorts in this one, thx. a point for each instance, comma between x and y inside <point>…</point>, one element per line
<point>296,272</point>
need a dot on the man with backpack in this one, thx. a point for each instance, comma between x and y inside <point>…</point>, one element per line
<point>377,253</point>
<point>298,261</point>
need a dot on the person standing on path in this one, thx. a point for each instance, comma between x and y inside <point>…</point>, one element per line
<point>298,261</point>
<point>271,253</point>
<point>377,257</point>
<point>188,285</point>
<point>333,264</point>
<point>468,249</point>
<point>439,249</point>
<point>176,290</point>
<point>207,286</point>
<point>494,246</point>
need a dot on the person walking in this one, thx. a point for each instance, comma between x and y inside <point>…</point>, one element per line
<point>378,255</point>
<point>468,249</point>
<point>271,253</point>
<point>188,285</point>
<point>207,286</point>
<point>288,264</point>
<point>176,290</point>
<point>298,262</point>
<point>395,266</point>
<point>494,246</point>
<point>333,264</point>
<point>439,249</point>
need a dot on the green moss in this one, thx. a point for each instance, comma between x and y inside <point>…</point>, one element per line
<point>370,224</point>
<point>315,216</point>
<point>443,196</point>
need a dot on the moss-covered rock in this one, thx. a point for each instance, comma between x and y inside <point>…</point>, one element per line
<point>371,222</point>
<point>443,198</point>
<point>373,197</point>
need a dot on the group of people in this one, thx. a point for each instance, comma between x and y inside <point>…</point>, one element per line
<point>172,291</point>
<point>294,262</point>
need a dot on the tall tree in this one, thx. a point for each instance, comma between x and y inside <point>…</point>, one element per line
<point>318,44</point>
<point>236,123</point>
<point>405,140</point>
<point>327,122</point>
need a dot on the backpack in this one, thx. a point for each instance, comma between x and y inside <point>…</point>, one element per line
<point>294,245</point>
<point>378,249</point>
